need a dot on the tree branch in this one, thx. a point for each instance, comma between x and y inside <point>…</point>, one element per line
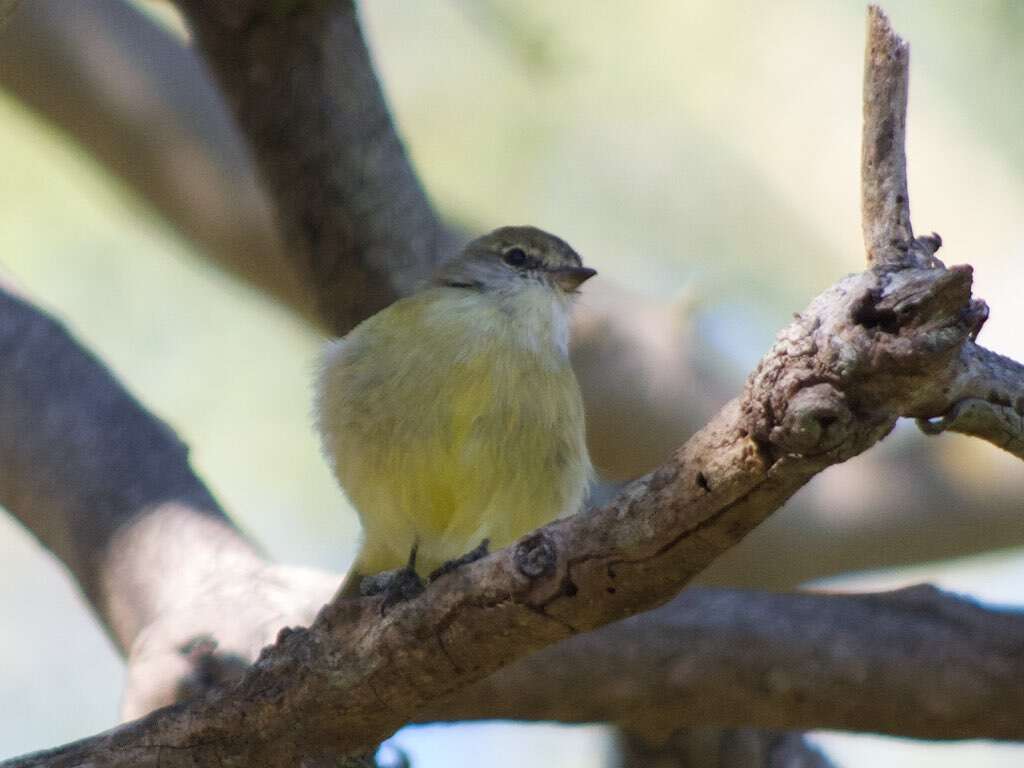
<point>914,662</point>
<point>986,401</point>
<point>301,85</point>
<point>885,204</point>
<point>81,461</point>
<point>987,397</point>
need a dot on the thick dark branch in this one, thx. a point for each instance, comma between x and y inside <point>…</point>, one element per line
<point>723,748</point>
<point>303,90</point>
<point>893,663</point>
<point>81,461</point>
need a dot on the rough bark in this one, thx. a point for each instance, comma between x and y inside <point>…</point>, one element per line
<point>986,398</point>
<point>986,401</point>
<point>885,204</point>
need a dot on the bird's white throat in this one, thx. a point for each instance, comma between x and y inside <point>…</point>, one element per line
<point>540,318</point>
<point>535,317</point>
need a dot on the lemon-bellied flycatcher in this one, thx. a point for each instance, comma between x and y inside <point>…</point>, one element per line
<point>453,417</point>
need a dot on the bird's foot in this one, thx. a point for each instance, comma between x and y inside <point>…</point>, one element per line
<point>397,586</point>
<point>480,551</point>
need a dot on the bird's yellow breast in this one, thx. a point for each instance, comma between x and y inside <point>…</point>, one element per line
<point>451,417</point>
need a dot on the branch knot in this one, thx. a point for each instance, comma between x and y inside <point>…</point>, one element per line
<point>536,555</point>
<point>816,420</point>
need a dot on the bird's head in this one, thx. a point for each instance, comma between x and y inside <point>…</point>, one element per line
<point>511,258</point>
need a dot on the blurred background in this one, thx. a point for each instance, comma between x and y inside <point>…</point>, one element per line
<point>703,156</point>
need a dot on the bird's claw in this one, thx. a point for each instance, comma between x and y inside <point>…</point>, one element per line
<point>397,586</point>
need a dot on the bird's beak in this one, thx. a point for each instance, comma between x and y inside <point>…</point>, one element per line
<point>571,278</point>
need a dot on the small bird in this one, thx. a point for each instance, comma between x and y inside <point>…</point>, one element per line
<point>452,418</point>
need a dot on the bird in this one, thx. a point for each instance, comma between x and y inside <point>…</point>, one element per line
<point>452,418</point>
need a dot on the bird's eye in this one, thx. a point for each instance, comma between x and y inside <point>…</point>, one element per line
<point>515,257</point>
